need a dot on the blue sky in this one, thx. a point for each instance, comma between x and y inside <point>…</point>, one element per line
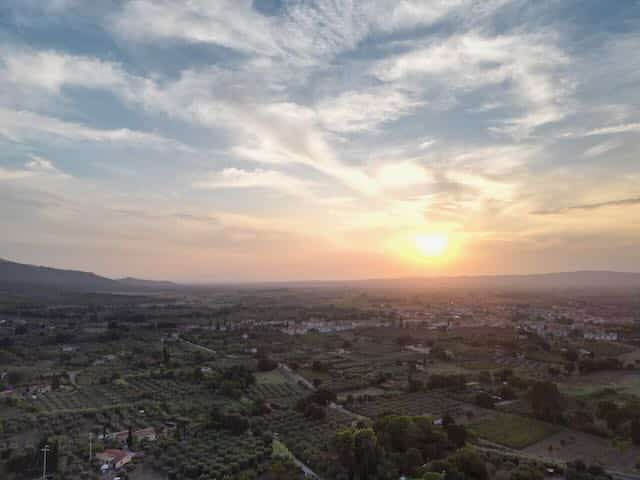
<point>281,139</point>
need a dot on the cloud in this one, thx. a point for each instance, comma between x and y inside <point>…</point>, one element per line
<point>20,126</point>
<point>304,33</point>
<point>36,167</point>
<point>264,131</point>
<point>51,70</point>
<point>526,64</point>
<point>614,129</point>
<point>591,206</point>
<point>426,143</point>
<point>402,174</point>
<point>287,133</point>
<point>258,178</point>
<point>601,148</point>
<point>364,110</point>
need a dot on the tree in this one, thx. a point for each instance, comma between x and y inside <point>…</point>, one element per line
<point>343,445</point>
<point>571,355</point>
<point>166,358</point>
<point>635,431</point>
<point>507,393</point>
<point>457,435</point>
<point>365,444</point>
<point>358,452</point>
<point>315,412</point>
<point>447,420</point>
<point>235,423</point>
<point>266,364</point>
<point>412,460</point>
<point>526,472</point>
<point>469,463</point>
<point>484,400</point>
<point>547,402</point>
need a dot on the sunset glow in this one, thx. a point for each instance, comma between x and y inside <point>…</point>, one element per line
<point>291,140</point>
<point>431,245</point>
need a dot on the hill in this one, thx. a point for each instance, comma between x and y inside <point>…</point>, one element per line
<point>14,273</point>
<point>22,274</point>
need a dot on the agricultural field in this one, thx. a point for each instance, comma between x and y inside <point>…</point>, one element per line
<point>622,382</point>
<point>512,431</point>
<point>280,394</point>
<point>309,440</point>
<point>212,454</point>
<point>107,396</point>
<point>430,404</point>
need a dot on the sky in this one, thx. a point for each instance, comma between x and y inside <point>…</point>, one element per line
<point>238,140</point>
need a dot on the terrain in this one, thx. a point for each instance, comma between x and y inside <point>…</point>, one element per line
<point>335,381</point>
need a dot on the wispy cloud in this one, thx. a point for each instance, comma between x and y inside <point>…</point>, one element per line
<point>471,61</point>
<point>259,178</point>
<point>378,119</point>
<point>590,206</point>
<point>601,148</point>
<point>613,129</point>
<point>20,126</point>
<point>337,26</point>
<point>53,70</point>
<point>37,166</point>
<point>365,110</point>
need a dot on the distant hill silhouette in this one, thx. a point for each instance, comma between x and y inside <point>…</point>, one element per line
<point>141,283</point>
<point>21,274</point>
<point>544,281</point>
<point>13,273</point>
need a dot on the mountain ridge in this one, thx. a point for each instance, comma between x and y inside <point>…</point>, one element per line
<point>26,274</point>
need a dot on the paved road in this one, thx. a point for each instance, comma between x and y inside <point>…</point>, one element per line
<point>296,377</point>
<point>201,347</point>
<point>342,409</point>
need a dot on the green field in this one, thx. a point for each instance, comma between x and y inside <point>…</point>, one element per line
<point>280,450</point>
<point>597,385</point>
<point>513,431</point>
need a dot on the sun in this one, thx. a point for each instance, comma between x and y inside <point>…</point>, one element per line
<point>431,245</point>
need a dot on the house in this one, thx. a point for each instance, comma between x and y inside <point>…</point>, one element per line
<point>115,458</point>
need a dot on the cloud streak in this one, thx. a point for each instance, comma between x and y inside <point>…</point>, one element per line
<point>590,206</point>
<point>22,125</point>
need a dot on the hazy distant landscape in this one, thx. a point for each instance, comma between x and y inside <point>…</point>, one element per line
<point>531,375</point>
<point>13,274</point>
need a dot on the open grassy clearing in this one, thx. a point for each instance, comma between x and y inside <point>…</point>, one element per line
<point>513,431</point>
<point>595,384</point>
<point>280,450</point>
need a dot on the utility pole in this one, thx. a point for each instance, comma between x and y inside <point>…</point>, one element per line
<point>90,447</point>
<point>44,463</point>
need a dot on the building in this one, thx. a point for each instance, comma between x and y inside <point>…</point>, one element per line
<point>115,458</point>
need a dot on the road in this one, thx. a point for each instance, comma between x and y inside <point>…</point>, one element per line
<point>196,345</point>
<point>296,377</point>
